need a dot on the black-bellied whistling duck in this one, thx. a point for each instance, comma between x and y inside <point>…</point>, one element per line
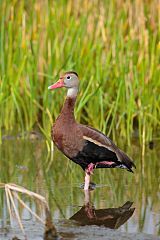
<point>82,144</point>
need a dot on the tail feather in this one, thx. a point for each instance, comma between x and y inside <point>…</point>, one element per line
<point>126,161</point>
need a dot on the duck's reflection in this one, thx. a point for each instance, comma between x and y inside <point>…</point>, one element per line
<point>109,217</point>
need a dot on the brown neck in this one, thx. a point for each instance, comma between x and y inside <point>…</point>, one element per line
<point>68,108</point>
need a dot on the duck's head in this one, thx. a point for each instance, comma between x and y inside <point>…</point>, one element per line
<point>68,80</point>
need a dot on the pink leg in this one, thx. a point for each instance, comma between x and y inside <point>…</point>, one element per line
<point>87,181</point>
<point>90,168</point>
<point>88,172</point>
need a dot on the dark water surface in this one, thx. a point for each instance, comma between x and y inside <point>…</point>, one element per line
<point>123,205</point>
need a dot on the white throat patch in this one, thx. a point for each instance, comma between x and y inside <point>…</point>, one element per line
<point>72,92</point>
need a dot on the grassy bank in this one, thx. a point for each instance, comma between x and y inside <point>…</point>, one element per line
<point>114,47</point>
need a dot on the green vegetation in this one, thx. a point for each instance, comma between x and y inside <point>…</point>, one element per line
<point>114,47</point>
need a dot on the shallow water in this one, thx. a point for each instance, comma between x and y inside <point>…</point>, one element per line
<point>98,215</point>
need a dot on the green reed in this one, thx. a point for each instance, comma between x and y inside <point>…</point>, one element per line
<point>114,47</point>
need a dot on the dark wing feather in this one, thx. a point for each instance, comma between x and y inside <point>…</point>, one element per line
<point>100,156</point>
<point>112,151</point>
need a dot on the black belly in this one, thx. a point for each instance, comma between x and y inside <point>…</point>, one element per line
<point>92,153</point>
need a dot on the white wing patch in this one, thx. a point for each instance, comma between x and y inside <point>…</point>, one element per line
<point>94,141</point>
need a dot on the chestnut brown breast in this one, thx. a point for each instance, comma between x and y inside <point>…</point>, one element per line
<point>67,136</point>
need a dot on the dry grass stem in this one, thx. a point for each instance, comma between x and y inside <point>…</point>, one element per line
<point>11,191</point>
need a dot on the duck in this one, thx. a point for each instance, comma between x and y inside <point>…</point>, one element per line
<point>83,144</point>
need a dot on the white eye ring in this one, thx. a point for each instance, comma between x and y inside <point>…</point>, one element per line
<point>68,77</point>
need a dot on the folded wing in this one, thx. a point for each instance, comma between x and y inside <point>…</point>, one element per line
<point>99,149</point>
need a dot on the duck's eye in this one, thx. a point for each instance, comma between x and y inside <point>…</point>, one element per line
<point>68,77</point>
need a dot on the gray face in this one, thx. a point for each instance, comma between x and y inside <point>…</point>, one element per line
<point>71,80</point>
